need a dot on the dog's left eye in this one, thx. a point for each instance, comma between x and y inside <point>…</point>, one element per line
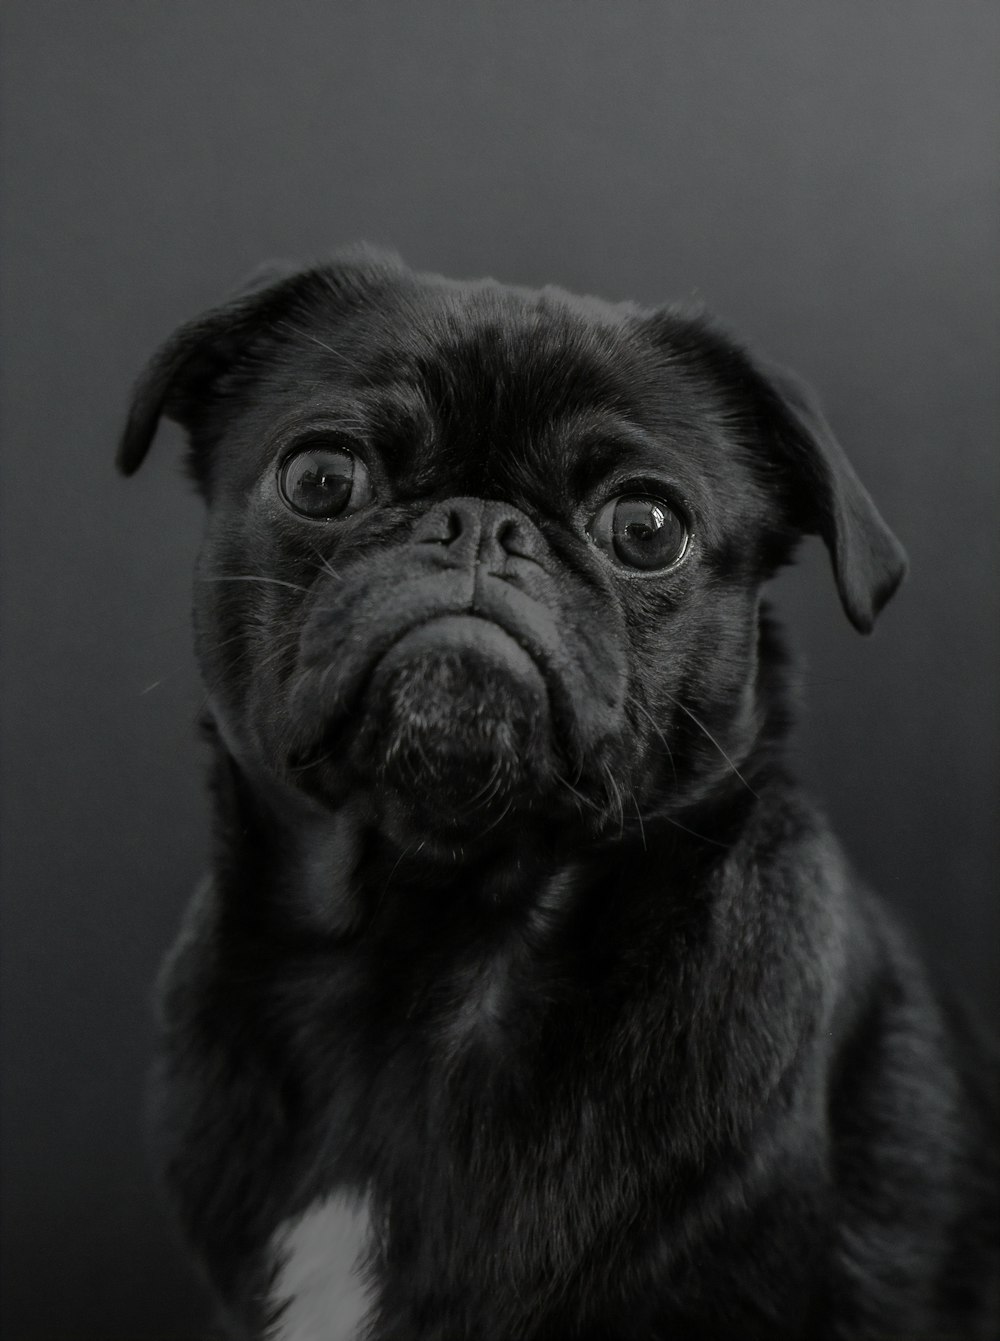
<point>640,531</point>
<point>324,481</point>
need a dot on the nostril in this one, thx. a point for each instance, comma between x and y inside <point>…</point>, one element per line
<point>507,535</point>
<point>445,528</point>
<point>515,540</point>
<point>452,526</point>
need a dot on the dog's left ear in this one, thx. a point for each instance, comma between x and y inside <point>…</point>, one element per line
<point>868,561</point>
<point>774,413</point>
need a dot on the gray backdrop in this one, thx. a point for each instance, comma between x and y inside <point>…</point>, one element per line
<point>822,174</point>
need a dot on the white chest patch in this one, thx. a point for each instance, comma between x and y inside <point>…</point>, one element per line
<point>318,1286</point>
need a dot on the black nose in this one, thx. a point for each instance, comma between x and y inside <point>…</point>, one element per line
<point>480,531</point>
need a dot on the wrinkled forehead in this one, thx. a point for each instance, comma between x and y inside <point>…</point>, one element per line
<point>511,355</point>
<point>485,351</point>
<point>486,379</point>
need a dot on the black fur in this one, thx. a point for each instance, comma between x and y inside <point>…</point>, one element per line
<point>527,934</point>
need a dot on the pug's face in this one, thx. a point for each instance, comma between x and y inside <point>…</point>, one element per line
<point>487,557</point>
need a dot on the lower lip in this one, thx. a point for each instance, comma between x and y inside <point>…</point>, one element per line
<point>468,634</point>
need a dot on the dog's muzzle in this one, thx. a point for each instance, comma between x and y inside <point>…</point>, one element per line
<point>441,674</point>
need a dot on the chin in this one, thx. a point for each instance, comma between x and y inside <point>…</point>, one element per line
<point>455,750</point>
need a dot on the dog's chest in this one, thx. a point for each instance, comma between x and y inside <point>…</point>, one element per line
<point>320,1290</point>
<point>319,1293</point>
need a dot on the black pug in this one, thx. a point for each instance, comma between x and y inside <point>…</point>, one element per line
<point>524,964</point>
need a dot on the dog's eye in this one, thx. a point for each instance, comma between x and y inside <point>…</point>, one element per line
<point>324,481</point>
<point>640,532</point>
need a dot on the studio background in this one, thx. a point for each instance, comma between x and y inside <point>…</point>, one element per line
<point>822,175</point>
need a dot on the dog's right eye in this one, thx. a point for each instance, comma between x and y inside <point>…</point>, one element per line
<point>324,481</point>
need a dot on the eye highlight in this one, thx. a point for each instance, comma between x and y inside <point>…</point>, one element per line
<point>640,531</point>
<point>324,480</point>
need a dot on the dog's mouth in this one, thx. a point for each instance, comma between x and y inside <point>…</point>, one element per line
<point>451,729</point>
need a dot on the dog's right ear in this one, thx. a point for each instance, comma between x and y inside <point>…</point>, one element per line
<point>180,375</point>
<point>182,369</point>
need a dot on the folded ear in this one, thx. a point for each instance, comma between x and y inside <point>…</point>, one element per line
<point>774,412</point>
<point>868,561</point>
<point>196,354</point>
<point>182,372</point>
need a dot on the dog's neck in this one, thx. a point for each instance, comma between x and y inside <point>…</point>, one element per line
<point>308,876</point>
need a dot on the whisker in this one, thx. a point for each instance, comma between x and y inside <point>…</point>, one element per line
<point>652,722</point>
<point>499,819</point>
<point>702,727</point>
<point>584,801</point>
<point>399,860</point>
<point>225,642</point>
<point>638,814</point>
<point>206,651</point>
<point>693,832</point>
<point>276,653</point>
<point>312,763</point>
<point>324,565</point>
<point>307,335</point>
<point>615,796</point>
<point>178,669</point>
<point>342,358</point>
<point>255,577</point>
<point>490,788</point>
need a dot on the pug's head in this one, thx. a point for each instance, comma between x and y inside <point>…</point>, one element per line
<point>489,557</point>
